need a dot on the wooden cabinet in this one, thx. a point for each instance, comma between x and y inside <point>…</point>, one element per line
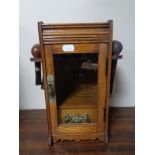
<point>76,62</point>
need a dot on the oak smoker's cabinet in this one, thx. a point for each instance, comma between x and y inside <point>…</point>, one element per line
<point>76,61</point>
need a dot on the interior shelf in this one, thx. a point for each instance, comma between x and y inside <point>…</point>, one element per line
<point>85,97</point>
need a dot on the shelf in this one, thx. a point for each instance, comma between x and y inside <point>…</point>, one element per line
<point>81,98</point>
<point>35,59</point>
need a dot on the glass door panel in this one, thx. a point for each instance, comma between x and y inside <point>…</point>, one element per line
<point>76,87</point>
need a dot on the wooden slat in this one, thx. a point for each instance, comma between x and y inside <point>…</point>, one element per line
<point>75,25</point>
<point>77,31</point>
<point>65,33</point>
<point>44,78</point>
<point>75,41</point>
<point>108,82</point>
<point>101,84</point>
<point>73,36</point>
<point>76,128</point>
<point>50,71</point>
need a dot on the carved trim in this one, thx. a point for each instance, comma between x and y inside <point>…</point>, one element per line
<point>76,118</point>
<point>51,88</point>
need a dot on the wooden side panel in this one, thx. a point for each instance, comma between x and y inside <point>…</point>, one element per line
<point>50,71</point>
<point>108,82</point>
<point>101,85</point>
<point>50,141</point>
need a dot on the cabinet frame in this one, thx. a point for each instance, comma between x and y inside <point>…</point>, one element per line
<point>98,37</point>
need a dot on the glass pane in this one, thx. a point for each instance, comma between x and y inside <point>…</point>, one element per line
<point>76,87</point>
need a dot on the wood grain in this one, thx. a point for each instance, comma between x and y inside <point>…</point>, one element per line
<point>101,85</point>
<point>78,48</point>
<point>50,71</point>
<point>45,81</point>
<point>33,136</point>
<point>81,98</point>
<point>87,39</point>
<point>75,33</point>
<point>109,60</point>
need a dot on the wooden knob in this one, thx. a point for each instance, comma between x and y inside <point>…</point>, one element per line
<point>116,47</point>
<point>35,50</point>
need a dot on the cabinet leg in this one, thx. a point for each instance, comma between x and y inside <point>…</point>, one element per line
<point>50,140</point>
<point>106,137</point>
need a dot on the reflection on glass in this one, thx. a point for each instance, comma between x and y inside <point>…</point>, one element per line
<point>76,87</point>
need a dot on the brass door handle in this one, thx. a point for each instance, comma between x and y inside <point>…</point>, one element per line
<point>51,88</point>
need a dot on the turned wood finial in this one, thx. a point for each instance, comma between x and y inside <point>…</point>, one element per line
<point>35,50</point>
<point>116,47</point>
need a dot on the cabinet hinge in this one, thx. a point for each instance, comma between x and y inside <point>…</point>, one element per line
<point>106,69</point>
<point>51,88</point>
<point>104,114</point>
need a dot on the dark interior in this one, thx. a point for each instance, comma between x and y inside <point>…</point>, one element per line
<point>72,72</point>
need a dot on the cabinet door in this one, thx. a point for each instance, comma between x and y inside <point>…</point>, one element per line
<point>76,83</point>
<point>102,85</point>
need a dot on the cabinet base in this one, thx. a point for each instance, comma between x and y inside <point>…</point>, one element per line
<point>76,137</point>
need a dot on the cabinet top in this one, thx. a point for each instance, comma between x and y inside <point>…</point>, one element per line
<point>76,25</point>
<point>75,32</point>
